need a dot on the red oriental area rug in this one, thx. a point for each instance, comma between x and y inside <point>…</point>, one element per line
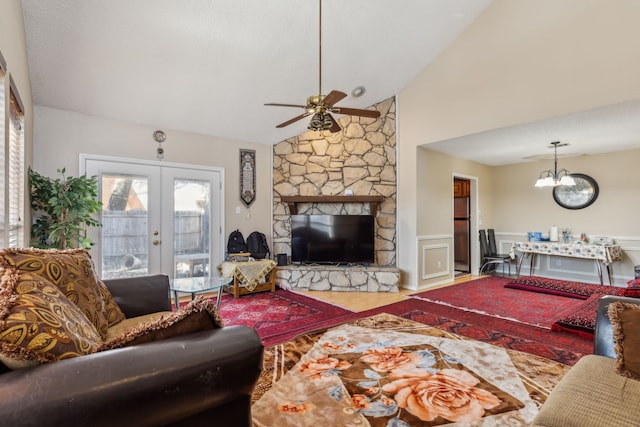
<point>489,296</point>
<point>580,319</point>
<point>281,315</point>
<point>562,347</point>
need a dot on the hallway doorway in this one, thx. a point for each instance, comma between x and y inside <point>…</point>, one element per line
<point>462,226</point>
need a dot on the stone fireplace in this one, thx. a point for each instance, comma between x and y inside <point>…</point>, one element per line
<point>312,172</point>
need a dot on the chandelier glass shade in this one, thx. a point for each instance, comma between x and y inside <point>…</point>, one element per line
<point>555,177</point>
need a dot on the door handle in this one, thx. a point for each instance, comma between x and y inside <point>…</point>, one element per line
<point>156,242</point>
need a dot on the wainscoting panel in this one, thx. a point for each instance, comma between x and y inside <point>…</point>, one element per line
<point>435,261</point>
<point>434,255</point>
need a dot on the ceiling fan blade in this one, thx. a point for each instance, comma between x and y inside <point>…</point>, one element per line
<point>374,114</point>
<point>333,97</point>
<point>335,127</point>
<point>271,104</point>
<point>295,119</point>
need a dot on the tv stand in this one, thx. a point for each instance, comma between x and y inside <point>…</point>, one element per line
<point>293,201</point>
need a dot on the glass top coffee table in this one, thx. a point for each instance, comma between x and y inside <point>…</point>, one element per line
<point>198,285</point>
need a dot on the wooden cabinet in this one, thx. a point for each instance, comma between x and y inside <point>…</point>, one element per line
<point>461,188</point>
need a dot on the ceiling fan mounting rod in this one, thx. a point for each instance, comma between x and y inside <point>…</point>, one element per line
<point>319,105</point>
<point>320,49</point>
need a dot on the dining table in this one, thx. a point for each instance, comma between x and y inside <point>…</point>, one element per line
<point>602,254</point>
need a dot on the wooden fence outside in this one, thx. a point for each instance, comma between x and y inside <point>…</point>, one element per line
<point>125,233</point>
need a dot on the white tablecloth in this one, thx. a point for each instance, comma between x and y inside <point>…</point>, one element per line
<point>604,253</point>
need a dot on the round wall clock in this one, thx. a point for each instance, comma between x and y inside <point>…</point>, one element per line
<point>578,196</point>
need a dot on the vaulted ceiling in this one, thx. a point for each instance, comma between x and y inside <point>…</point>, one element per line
<point>209,66</point>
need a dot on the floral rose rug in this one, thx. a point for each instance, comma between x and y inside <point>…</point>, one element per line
<point>386,371</point>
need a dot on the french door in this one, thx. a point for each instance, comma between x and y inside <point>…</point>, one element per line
<point>156,218</point>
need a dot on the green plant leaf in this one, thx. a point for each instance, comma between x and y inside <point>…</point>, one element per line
<point>63,208</point>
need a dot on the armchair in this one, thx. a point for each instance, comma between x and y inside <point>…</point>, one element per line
<point>203,378</point>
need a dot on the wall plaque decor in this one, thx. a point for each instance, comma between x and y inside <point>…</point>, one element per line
<point>247,176</point>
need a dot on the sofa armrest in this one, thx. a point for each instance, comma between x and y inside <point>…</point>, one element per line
<point>151,384</point>
<point>137,296</point>
<point>603,343</point>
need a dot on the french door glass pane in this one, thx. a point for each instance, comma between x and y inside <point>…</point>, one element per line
<point>124,226</point>
<point>192,217</point>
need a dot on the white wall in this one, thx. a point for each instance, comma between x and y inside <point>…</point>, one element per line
<point>520,61</point>
<point>435,209</point>
<point>14,50</point>
<point>60,137</point>
<point>510,204</point>
<point>519,207</point>
<point>615,211</point>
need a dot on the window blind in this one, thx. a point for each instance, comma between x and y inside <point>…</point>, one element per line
<point>16,171</point>
<point>3,116</point>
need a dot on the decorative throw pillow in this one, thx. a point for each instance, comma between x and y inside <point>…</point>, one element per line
<point>38,324</point>
<point>72,271</point>
<point>632,291</point>
<point>553,286</point>
<point>633,288</point>
<point>199,315</point>
<point>579,319</point>
<point>625,321</point>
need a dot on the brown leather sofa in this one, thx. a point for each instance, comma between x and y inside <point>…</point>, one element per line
<point>203,378</point>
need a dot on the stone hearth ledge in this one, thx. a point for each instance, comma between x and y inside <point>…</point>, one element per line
<point>338,278</point>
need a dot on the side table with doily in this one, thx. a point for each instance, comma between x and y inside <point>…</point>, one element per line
<point>249,276</point>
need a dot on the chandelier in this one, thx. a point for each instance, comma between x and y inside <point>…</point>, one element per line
<point>555,177</point>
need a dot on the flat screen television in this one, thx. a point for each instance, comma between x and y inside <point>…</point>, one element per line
<point>332,239</point>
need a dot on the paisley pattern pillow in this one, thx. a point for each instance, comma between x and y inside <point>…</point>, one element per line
<point>72,271</point>
<point>38,324</point>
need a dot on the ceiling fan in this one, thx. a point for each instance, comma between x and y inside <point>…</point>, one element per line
<point>320,107</point>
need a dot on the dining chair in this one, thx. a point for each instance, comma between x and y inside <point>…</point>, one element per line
<point>490,256</point>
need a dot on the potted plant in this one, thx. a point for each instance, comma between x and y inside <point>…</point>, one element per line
<point>63,210</point>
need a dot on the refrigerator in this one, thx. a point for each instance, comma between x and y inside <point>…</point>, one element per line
<point>461,234</point>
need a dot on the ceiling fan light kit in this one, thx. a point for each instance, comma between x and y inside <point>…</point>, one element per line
<point>321,106</point>
<point>320,122</point>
